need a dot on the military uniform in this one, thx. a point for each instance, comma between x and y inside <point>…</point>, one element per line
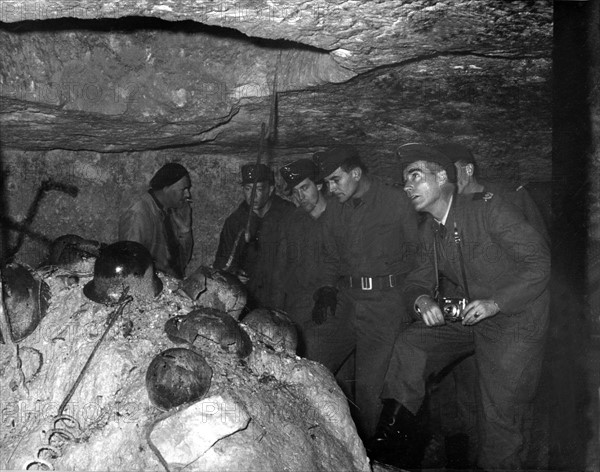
<point>256,258</point>
<point>299,273</point>
<point>369,247</point>
<point>505,260</point>
<point>519,196</point>
<point>462,382</point>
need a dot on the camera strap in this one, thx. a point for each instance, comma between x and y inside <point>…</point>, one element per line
<point>457,240</point>
<point>436,290</point>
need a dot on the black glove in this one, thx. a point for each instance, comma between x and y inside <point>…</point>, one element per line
<point>325,304</point>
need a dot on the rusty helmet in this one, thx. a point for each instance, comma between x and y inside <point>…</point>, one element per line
<point>177,376</point>
<point>26,300</point>
<point>276,328</point>
<point>209,325</point>
<point>121,265</point>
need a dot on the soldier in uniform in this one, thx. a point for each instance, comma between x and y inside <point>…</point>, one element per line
<point>502,264</point>
<point>467,182</point>
<point>326,337</point>
<point>254,259</point>
<point>161,220</point>
<point>461,383</point>
<point>369,239</point>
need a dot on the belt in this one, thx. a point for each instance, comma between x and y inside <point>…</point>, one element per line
<point>381,282</point>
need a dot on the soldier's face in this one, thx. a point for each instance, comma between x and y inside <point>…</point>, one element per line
<point>343,184</point>
<point>306,194</point>
<point>422,186</point>
<point>263,192</point>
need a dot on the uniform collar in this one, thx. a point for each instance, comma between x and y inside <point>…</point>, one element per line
<point>445,218</point>
<point>367,197</point>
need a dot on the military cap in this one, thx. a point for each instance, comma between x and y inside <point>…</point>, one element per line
<point>412,152</point>
<point>256,173</point>
<point>456,152</point>
<point>295,172</point>
<point>329,160</point>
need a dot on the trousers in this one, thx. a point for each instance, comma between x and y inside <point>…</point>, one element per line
<point>508,353</point>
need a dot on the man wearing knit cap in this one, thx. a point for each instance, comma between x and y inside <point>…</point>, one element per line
<point>324,338</point>
<point>483,245</point>
<point>254,258</point>
<point>370,240</point>
<point>161,220</point>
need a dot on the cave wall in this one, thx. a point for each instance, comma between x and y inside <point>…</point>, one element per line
<point>501,108</point>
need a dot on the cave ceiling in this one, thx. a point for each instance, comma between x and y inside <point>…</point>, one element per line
<point>131,76</point>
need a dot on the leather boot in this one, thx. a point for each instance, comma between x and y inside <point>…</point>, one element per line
<point>398,438</point>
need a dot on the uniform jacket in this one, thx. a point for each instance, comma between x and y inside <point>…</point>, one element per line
<point>505,258</point>
<point>144,222</point>
<point>256,258</point>
<point>299,263</point>
<point>375,235</point>
<point>519,196</point>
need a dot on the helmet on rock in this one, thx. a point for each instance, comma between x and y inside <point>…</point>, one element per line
<point>177,376</point>
<point>124,264</point>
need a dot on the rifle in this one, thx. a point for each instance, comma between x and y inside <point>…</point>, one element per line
<point>269,137</point>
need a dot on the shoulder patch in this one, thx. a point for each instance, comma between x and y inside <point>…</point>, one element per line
<point>485,196</point>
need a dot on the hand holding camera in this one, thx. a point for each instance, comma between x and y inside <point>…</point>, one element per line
<point>479,310</point>
<point>430,311</point>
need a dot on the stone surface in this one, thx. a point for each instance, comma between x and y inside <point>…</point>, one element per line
<point>184,437</point>
<point>139,83</point>
<point>289,412</point>
<point>359,35</point>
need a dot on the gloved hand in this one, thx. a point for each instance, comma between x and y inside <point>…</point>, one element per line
<point>325,304</point>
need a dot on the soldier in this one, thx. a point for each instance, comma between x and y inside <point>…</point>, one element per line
<point>462,381</point>
<point>370,238</point>
<point>299,273</point>
<point>161,220</point>
<point>468,183</point>
<point>254,259</point>
<point>502,264</point>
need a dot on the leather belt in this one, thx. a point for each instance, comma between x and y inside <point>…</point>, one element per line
<point>381,282</point>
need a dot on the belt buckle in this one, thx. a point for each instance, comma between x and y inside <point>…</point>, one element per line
<point>366,283</point>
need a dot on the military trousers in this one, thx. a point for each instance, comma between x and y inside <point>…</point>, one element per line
<point>508,352</point>
<point>376,316</point>
<point>327,343</point>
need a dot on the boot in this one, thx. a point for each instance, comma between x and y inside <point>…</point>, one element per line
<point>398,438</point>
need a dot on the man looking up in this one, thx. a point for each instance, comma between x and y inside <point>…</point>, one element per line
<point>161,220</point>
<point>501,264</point>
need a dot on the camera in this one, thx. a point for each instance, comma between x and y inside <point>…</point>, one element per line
<point>452,308</point>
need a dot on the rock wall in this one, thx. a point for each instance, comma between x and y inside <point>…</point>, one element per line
<point>269,411</point>
<point>500,108</point>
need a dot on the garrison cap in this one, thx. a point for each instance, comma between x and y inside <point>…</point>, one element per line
<point>256,173</point>
<point>295,172</point>
<point>456,152</point>
<point>413,152</point>
<point>329,160</point>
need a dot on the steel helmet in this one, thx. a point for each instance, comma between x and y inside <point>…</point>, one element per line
<point>177,376</point>
<point>124,264</point>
